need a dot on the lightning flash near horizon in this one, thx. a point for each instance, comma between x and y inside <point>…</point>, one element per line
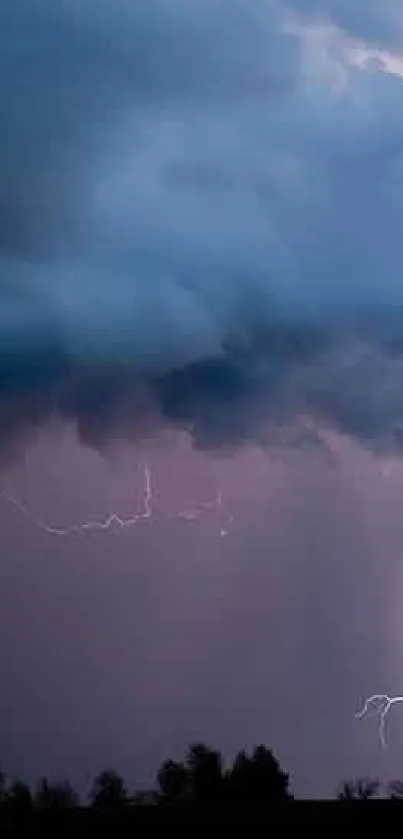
<point>385,704</point>
<point>145,513</point>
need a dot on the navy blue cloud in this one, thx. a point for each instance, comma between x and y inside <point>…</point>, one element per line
<point>194,224</point>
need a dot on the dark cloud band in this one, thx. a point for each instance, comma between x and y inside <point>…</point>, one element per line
<point>194,229</point>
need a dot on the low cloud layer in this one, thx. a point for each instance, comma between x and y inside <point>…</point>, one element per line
<point>200,213</point>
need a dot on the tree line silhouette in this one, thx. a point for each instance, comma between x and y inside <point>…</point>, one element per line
<point>253,780</point>
<point>200,779</point>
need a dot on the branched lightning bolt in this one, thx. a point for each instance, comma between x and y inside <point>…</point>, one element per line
<point>145,513</point>
<point>385,704</point>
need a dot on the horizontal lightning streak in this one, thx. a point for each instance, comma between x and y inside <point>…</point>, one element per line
<point>145,513</point>
<point>385,704</point>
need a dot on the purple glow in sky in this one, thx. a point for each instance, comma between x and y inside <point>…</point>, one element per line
<point>119,647</point>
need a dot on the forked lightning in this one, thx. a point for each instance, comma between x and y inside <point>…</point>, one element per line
<point>385,703</point>
<point>114,520</point>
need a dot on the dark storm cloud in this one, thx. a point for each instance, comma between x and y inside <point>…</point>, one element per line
<point>68,69</point>
<point>194,227</point>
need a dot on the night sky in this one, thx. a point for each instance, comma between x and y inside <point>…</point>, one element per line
<point>201,328</point>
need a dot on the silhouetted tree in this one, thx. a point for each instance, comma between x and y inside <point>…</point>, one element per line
<point>361,789</point>
<point>18,798</point>
<point>257,779</point>
<point>109,791</point>
<point>346,791</point>
<point>204,771</point>
<point>55,796</point>
<point>173,782</point>
<point>395,789</point>
<point>253,779</point>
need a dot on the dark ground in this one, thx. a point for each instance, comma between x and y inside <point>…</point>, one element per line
<point>144,821</point>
